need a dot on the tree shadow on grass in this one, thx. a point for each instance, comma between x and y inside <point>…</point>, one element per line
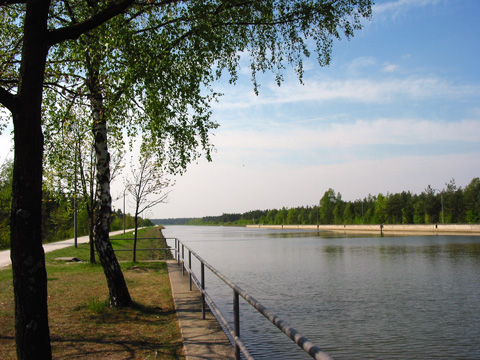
<point>136,313</point>
<point>135,332</point>
<point>109,348</point>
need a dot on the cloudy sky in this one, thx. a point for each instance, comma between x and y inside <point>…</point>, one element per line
<point>397,109</point>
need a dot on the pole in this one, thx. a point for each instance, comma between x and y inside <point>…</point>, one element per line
<point>124,210</point>
<point>236,322</point>
<point>75,234</point>
<point>75,220</point>
<point>202,277</point>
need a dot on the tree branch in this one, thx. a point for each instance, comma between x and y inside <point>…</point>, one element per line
<point>8,100</point>
<point>11,2</point>
<point>73,32</point>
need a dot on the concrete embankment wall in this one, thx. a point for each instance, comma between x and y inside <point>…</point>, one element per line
<point>430,229</point>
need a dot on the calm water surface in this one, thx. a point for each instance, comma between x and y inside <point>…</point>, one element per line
<point>356,297</point>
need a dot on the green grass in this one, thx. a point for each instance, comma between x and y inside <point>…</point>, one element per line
<point>121,242</point>
<point>82,325</point>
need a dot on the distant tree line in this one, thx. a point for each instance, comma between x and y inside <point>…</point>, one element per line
<point>450,205</point>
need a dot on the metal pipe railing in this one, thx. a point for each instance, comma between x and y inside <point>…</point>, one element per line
<point>305,344</point>
<point>165,249</point>
<point>219,316</point>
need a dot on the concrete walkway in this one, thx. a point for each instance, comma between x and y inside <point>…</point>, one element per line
<point>202,339</point>
<point>5,254</point>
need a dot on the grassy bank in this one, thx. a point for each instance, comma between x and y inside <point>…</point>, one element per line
<point>83,326</point>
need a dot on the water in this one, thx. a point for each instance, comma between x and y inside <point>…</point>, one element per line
<point>356,297</point>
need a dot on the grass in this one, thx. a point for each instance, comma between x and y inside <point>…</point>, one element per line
<point>83,326</point>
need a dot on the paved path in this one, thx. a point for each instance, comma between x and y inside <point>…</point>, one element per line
<point>5,255</point>
<point>202,339</point>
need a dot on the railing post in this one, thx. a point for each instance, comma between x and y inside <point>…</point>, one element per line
<point>183,260</point>
<point>202,268</point>
<point>165,247</point>
<point>190,267</point>
<point>177,251</point>
<point>236,323</point>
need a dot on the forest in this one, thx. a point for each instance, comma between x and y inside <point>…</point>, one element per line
<point>451,205</point>
<point>57,213</point>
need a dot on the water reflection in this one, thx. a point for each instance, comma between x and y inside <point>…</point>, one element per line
<point>333,250</point>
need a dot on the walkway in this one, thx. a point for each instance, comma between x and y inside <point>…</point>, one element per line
<point>5,254</point>
<point>202,339</point>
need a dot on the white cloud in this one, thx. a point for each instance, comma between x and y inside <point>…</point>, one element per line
<point>358,65</point>
<point>336,136</point>
<point>388,68</point>
<point>392,9</point>
<point>355,90</point>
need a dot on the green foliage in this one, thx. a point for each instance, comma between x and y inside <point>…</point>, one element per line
<point>96,305</point>
<point>327,205</point>
<point>6,176</point>
<point>57,219</point>
<point>472,201</point>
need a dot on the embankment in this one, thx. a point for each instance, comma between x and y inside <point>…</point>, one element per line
<point>420,229</point>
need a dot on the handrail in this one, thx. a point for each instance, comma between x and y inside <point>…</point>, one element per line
<point>165,249</point>
<point>311,349</point>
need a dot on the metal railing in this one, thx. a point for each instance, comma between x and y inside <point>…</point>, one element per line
<point>239,347</point>
<point>165,249</point>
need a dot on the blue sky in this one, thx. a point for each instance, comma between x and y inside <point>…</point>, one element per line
<point>397,109</point>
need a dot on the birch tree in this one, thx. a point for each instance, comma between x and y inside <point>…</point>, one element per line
<point>147,187</point>
<point>22,78</point>
<point>70,156</point>
<point>177,50</point>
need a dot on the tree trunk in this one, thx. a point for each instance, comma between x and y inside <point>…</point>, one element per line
<point>28,259</point>
<point>119,295</point>
<point>91,228</point>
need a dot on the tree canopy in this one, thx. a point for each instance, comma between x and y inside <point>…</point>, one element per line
<point>175,49</point>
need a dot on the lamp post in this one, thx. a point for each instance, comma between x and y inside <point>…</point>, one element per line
<point>124,208</point>
<point>75,213</point>
<point>137,201</point>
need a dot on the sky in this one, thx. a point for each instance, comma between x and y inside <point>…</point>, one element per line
<point>397,109</point>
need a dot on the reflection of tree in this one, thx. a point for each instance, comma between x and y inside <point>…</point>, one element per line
<point>334,250</point>
<point>455,251</point>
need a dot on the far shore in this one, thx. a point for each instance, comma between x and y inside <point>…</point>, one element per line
<point>418,229</point>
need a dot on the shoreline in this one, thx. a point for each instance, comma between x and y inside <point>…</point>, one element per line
<point>416,229</point>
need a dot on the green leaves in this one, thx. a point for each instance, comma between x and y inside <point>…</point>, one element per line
<point>155,64</point>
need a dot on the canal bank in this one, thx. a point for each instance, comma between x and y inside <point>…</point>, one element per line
<point>202,338</point>
<point>414,229</point>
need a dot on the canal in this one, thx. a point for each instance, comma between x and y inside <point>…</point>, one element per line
<point>355,296</point>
